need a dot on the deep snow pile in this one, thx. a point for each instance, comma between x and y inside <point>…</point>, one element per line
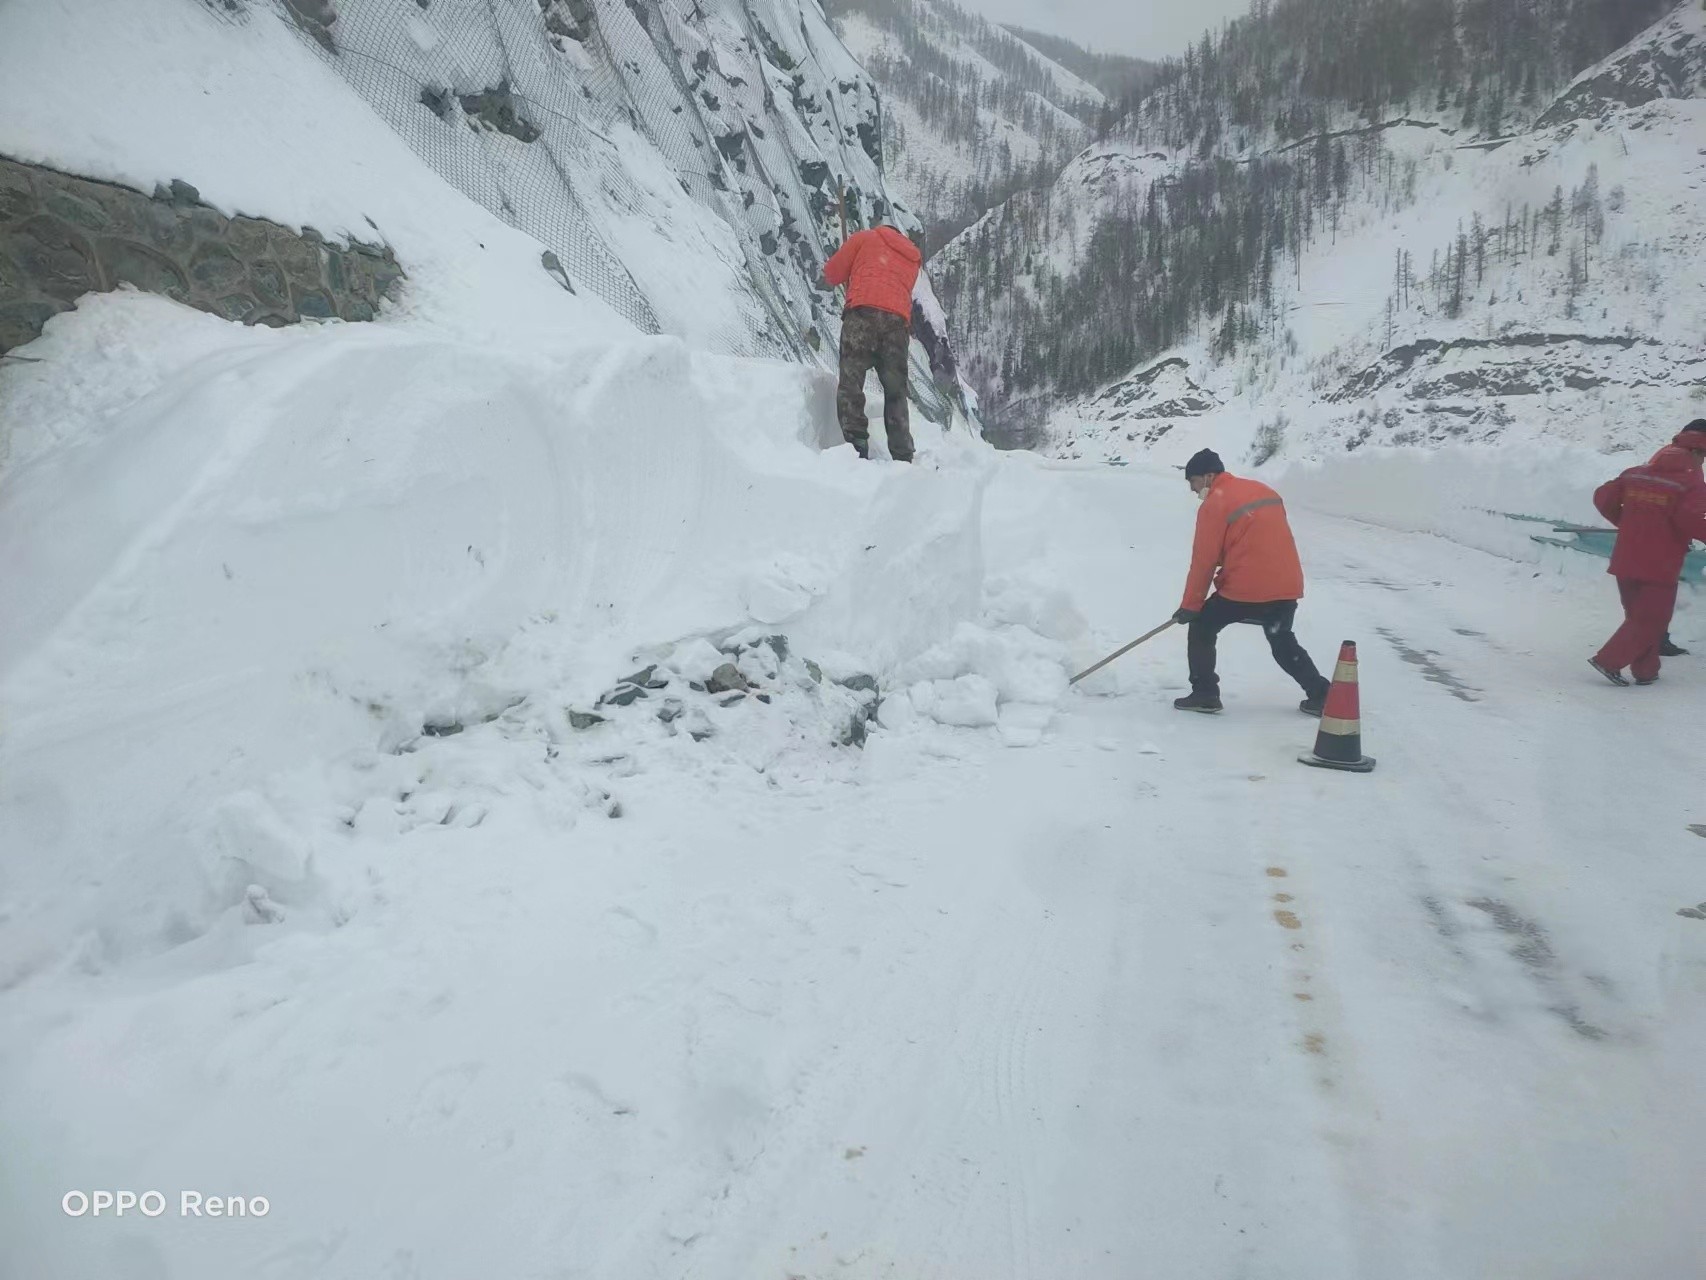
<point>233,554</point>
<point>284,547</point>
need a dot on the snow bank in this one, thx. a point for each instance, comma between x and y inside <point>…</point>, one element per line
<point>240,551</point>
<point>1464,494</point>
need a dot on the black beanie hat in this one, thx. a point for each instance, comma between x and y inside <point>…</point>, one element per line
<point>1206,463</point>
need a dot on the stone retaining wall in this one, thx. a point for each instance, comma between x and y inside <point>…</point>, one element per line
<point>62,236</point>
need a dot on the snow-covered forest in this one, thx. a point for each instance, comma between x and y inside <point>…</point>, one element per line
<point>1306,134</point>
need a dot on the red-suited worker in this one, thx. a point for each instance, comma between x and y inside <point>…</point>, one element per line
<point>1658,509</point>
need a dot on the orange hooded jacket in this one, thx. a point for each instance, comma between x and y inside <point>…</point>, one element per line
<point>879,268</point>
<point>1242,531</point>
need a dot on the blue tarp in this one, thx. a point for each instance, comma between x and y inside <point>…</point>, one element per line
<point>1599,542</point>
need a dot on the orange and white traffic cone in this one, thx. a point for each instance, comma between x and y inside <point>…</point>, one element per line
<point>1339,744</point>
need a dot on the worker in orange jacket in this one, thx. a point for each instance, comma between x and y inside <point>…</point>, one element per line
<point>879,268</point>
<point>1245,550</point>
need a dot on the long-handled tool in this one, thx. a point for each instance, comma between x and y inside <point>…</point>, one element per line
<point>1143,639</point>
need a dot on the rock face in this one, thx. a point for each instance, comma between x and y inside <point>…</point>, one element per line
<point>62,236</point>
<point>1668,62</point>
<point>560,116</point>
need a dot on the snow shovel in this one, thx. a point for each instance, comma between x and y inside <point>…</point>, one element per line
<point>1143,639</point>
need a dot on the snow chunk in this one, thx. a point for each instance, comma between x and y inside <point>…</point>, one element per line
<point>1022,724</point>
<point>1021,665</point>
<point>898,711</point>
<point>782,590</point>
<point>1048,611</point>
<point>968,702</point>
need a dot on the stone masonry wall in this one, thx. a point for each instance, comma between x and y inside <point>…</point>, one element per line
<point>62,236</point>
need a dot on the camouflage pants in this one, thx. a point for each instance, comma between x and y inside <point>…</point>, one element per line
<point>872,338</point>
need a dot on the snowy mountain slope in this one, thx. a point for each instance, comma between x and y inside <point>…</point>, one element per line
<point>1390,284</point>
<point>1667,62</point>
<point>1593,346</point>
<point>1118,76</point>
<point>971,111</point>
<point>681,166</point>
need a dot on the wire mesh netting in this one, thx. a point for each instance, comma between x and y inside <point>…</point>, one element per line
<point>442,87</point>
<point>619,132</point>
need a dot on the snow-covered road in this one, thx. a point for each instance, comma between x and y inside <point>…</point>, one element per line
<point>1149,999</point>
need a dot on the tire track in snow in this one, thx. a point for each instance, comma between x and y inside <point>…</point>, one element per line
<point>1527,940</point>
<point>1504,820</point>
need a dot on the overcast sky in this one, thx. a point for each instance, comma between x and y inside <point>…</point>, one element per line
<point>1148,28</point>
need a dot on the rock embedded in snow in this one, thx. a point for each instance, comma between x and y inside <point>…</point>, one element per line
<point>725,679</point>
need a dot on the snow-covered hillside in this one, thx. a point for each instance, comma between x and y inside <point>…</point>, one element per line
<point>971,112</point>
<point>1593,345</point>
<point>681,164</point>
<point>1408,281</point>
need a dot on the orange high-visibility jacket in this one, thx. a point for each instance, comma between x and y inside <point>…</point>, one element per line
<point>1242,531</point>
<point>879,269</point>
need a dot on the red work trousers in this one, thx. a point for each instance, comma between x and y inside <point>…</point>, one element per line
<point>1647,610</point>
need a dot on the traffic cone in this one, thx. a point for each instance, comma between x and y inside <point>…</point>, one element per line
<point>1339,744</point>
